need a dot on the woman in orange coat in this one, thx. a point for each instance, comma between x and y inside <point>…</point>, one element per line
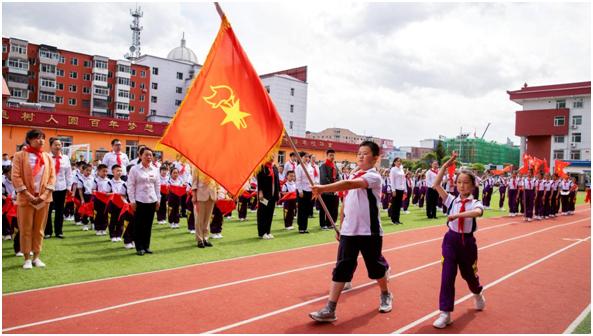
<point>33,176</point>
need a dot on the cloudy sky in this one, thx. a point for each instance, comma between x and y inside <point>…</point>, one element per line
<point>403,71</point>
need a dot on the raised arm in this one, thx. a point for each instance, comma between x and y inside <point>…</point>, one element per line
<point>437,182</point>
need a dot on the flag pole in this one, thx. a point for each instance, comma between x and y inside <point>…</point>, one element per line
<point>327,215</point>
<point>219,10</point>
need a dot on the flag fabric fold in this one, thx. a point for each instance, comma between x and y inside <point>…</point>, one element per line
<point>227,125</point>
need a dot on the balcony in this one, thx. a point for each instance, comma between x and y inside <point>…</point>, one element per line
<point>48,57</point>
<point>18,66</point>
<point>48,85</point>
<point>47,99</point>
<point>18,50</point>
<point>17,81</point>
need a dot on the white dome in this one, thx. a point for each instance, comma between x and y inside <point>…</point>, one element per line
<point>182,53</point>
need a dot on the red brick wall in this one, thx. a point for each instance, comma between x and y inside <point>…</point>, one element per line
<point>540,122</point>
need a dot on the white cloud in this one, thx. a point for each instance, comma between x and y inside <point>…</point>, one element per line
<point>395,70</point>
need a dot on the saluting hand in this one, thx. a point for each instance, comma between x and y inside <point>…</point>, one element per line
<point>451,160</point>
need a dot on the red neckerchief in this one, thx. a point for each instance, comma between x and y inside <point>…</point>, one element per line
<point>357,175</point>
<point>118,157</point>
<point>436,171</point>
<point>182,171</point>
<point>330,164</point>
<point>315,172</point>
<point>38,162</point>
<point>57,157</point>
<point>293,165</point>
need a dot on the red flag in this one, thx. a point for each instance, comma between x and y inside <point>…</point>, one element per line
<point>118,201</point>
<point>506,169</point>
<point>177,190</point>
<point>227,124</point>
<point>546,167</point>
<point>289,196</point>
<point>124,210</point>
<point>225,206</point>
<point>247,194</point>
<point>87,209</point>
<point>69,197</point>
<point>164,189</point>
<point>451,172</point>
<point>102,197</point>
<point>559,167</point>
<point>526,163</point>
<point>8,204</point>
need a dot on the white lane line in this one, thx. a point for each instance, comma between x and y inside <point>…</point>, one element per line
<point>571,328</point>
<point>193,291</point>
<point>276,312</point>
<point>494,283</point>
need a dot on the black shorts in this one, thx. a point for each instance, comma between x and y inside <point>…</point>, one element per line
<point>370,247</point>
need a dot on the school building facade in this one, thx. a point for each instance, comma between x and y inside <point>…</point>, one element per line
<point>555,123</point>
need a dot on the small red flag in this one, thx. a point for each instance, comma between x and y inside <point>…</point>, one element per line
<point>559,166</point>
<point>227,124</point>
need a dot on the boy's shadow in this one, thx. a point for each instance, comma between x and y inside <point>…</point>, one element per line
<point>457,327</point>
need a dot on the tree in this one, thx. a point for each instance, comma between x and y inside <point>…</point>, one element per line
<point>408,164</point>
<point>445,159</point>
<point>440,151</point>
<point>428,158</point>
<point>478,167</point>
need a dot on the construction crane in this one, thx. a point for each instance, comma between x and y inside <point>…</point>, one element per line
<point>485,131</point>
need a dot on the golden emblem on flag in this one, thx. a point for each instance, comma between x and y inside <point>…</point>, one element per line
<point>223,97</point>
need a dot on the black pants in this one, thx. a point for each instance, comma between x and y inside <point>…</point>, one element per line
<point>396,205</point>
<point>265,213</point>
<point>304,207</point>
<point>289,210</point>
<point>143,218</point>
<point>58,203</point>
<point>431,203</point>
<point>243,202</point>
<point>332,202</point>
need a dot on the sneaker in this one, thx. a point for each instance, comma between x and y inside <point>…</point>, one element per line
<point>118,239</point>
<point>61,236</point>
<point>129,246</point>
<point>443,320</point>
<point>347,286</point>
<point>480,301</point>
<point>290,228</point>
<point>114,239</point>
<point>7,237</point>
<point>28,264</point>
<point>38,263</point>
<point>323,315</point>
<point>270,236</point>
<point>529,219</point>
<point>265,236</point>
<point>98,233</point>
<point>78,223</point>
<point>85,228</point>
<point>19,254</point>
<point>192,231</point>
<point>407,212</point>
<point>386,303</point>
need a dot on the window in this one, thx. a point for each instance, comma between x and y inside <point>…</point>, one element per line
<point>558,139</point>
<point>101,91</point>
<point>4,48</point>
<point>290,123</point>
<point>131,148</point>
<point>86,90</point>
<point>72,88</point>
<point>99,154</point>
<point>19,49</point>
<point>18,93</point>
<point>133,72</point>
<point>59,100</point>
<point>576,137</point>
<point>60,86</point>
<point>60,73</point>
<point>575,155</point>
<point>74,61</point>
<point>73,74</point>
<point>48,68</point>
<point>100,64</point>
<point>179,75</point>
<point>178,90</point>
<point>142,98</point>
<point>86,76</point>
<point>109,74</point>
<point>133,84</point>
<point>152,112</point>
<point>123,81</point>
<point>121,116</point>
<point>86,103</point>
<point>577,104</point>
<point>131,108</point>
<point>155,86</point>
<point>268,88</point>
<point>62,59</point>
<point>109,86</point>
<point>132,97</point>
<point>49,83</point>
<point>559,121</point>
<point>291,108</point>
<point>292,91</point>
<point>141,110</point>
<point>561,103</point>
<point>281,157</point>
<point>577,120</point>
<point>177,102</point>
<point>46,97</point>
<point>141,85</point>
<point>142,73</point>
<point>87,64</point>
<point>18,63</point>
<point>123,68</point>
<point>122,106</point>
<point>155,71</point>
<point>48,54</point>
<point>123,93</point>
<point>153,99</point>
<point>72,102</point>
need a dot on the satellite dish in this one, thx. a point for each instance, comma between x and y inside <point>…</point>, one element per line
<point>132,48</point>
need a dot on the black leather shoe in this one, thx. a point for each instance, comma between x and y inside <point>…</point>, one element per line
<point>140,253</point>
<point>61,236</point>
<point>207,243</point>
<point>148,251</point>
<point>201,244</point>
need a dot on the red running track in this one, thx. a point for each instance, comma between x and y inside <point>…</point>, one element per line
<point>539,283</point>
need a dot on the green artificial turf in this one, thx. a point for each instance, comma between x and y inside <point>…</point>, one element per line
<point>83,256</point>
<point>584,327</point>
